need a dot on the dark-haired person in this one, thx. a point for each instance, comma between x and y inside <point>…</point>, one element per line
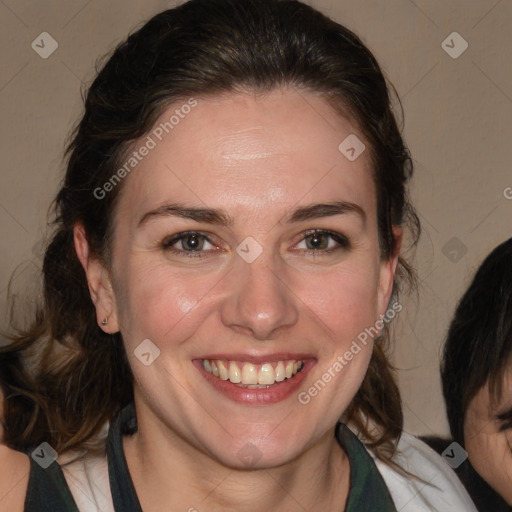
<point>477,381</point>
<point>219,283</point>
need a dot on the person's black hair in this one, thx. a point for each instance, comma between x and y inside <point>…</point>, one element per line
<point>478,346</point>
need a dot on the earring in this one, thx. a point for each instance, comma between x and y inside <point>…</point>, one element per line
<point>104,321</point>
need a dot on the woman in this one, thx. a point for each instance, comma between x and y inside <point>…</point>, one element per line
<point>477,381</point>
<point>219,283</point>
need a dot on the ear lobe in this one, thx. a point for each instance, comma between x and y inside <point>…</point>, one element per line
<point>98,280</point>
<point>388,271</point>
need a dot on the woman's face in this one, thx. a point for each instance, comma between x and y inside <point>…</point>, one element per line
<point>251,285</point>
<point>488,440</point>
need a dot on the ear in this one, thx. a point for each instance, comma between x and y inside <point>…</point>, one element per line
<point>387,273</point>
<point>98,279</point>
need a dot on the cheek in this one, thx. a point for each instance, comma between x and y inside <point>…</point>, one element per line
<point>160,301</point>
<point>345,301</point>
<point>490,455</point>
<point>156,301</point>
<point>492,460</point>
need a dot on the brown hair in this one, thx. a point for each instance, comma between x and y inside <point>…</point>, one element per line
<point>62,376</point>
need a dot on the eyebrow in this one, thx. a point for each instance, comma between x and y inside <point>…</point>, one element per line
<point>221,218</point>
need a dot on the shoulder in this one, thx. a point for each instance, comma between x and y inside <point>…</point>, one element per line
<point>440,490</point>
<point>14,472</point>
<point>14,475</point>
<point>87,476</point>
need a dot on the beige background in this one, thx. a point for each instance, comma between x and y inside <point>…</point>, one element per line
<point>458,119</point>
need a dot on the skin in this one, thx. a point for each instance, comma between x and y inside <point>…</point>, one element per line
<point>489,448</point>
<point>14,470</point>
<point>256,158</point>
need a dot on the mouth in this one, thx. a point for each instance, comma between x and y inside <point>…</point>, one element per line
<point>255,382</point>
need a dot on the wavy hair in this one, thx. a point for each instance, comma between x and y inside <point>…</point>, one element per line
<point>62,376</point>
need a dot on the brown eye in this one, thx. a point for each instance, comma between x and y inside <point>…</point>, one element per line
<point>325,241</point>
<point>317,241</point>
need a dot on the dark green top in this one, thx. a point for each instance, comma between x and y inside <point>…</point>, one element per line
<point>48,490</point>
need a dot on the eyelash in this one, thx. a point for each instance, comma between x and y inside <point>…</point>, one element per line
<point>342,241</point>
<point>505,425</point>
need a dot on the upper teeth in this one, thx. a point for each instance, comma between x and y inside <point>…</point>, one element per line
<point>250,374</point>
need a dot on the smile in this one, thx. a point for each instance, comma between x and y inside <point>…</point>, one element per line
<point>250,375</point>
<point>257,382</point>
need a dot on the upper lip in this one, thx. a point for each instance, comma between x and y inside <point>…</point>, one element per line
<point>259,359</point>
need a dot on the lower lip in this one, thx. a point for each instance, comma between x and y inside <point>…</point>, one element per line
<point>257,396</point>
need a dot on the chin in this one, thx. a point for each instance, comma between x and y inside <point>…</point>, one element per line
<point>250,457</point>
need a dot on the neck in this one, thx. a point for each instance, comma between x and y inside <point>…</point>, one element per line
<point>169,473</point>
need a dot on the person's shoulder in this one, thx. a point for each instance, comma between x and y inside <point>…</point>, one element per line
<point>14,472</point>
<point>14,476</point>
<point>87,475</point>
<point>437,488</point>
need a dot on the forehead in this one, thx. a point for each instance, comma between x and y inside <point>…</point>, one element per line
<point>241,151</point>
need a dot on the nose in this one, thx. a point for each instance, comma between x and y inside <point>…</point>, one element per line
<point>258,301</point>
